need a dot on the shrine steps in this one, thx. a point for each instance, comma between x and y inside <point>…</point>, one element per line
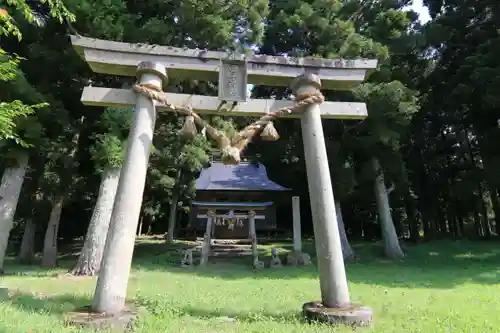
<point>226,251</point>
<point>231,241</point>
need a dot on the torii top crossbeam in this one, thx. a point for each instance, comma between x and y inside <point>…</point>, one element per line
<point>120,58</point>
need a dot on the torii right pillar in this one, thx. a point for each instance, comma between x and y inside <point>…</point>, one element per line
<point>335,306</point>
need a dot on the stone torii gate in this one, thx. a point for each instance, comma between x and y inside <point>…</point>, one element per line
<point>150,64</point>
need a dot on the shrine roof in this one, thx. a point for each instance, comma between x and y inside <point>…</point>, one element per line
<point>241,177</point>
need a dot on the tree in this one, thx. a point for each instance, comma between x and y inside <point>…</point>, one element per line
<point>108,152</point>
<point>10,189</point>
<point>16,149</point>
<point>189,162</point>
<point>318,29</point>
<point>175,163</point>
<point>391,107</point>
<point>59,173</point>
<point>11,111</point>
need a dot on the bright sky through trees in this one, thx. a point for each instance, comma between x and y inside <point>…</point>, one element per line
<point>423,12</point>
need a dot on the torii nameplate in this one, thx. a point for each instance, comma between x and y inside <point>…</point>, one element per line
<point>119,58</point>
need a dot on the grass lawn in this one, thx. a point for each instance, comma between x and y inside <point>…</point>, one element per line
<point>442,287</point>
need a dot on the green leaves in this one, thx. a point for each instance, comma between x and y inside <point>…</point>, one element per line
<point>8,66</point>
<point>117,120</point>
<point>390,109</point>
<point>8,26</point>
<point>320,28</point>
<point>108,149</point>
<point>10,113</point>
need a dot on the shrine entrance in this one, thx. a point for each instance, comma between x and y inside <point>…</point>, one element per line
<point>229,221</point>
<point>231,218</point>
<point>231,224</point>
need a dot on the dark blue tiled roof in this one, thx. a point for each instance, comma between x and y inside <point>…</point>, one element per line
<point>241,177</point>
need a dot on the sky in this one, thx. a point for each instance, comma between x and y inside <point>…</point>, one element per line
<point>418,7</point>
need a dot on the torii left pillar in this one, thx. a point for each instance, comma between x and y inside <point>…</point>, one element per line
<point>111,289</point>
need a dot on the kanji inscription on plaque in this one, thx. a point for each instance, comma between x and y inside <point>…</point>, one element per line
<point>233,81</point>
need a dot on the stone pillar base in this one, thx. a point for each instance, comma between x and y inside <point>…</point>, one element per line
<point>298,259</point>
<point>354,315</point>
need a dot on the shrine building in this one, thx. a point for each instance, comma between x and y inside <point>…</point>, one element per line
<point>231,192</point>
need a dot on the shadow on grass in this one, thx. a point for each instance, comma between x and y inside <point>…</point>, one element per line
<point>14,269</point>
<point>442,264</point>
<point>156,307</point>
<point>47,304</point>
<point>224,315</point>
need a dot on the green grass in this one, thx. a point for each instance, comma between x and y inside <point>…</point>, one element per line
<point>441,287</point>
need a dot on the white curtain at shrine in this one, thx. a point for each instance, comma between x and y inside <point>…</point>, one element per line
<point>230,222</point>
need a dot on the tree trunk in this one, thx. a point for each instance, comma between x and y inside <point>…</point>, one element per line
<point>496,207</point>
<point>489,172</point>
<point>390,238</point>
<point>477,224</point>
<point>443,228</point>
<point>10,189</point>
<point>413,222</point>
<point>146,224</point>
<point>27,252</point>
<point>427,207</point>
<point>397,218</point>
<point>89,261</point>
<point>172,214</point>
<point>487,232</point>
<point>484,212</point>
<point>177,220</point>
<point>347,250</point>
<point>139,231</point>
<point>49,258</point>
<point>450,219</point>
<point>461,226</point>
<point>451,222</point>
<point>458,230</point>
<point>433,218</point>
<point>493,192</point>
<point>33,189</point>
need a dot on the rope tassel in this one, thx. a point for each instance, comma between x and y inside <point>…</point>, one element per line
<point>230,155</point>
<point>231,149</point>
<point>188,130</point>
<point>269,133</point>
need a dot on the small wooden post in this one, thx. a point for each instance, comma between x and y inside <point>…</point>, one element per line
<point>251,224</point>
<point>253,237</point>
<point>205,249</point>
<point>297,231</point>
<point>297,257</point>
